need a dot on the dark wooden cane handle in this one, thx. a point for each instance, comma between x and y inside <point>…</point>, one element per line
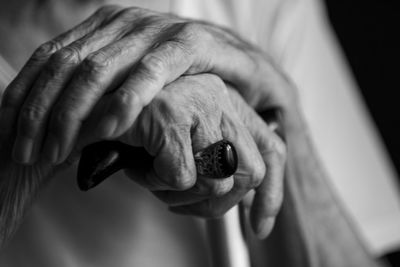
<point>100,160</point>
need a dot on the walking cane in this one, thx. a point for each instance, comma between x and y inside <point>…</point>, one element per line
<point>228,247</point>
<point>226,238</point>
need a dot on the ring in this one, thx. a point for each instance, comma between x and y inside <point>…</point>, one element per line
<point>218,160</point>
<point>102,159</point>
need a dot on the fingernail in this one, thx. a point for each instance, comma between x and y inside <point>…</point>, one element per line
<point>107,126</point>
<point>22,150</point>
<point>51,150</point>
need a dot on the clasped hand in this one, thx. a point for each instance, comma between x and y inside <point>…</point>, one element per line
<point>103,80</point>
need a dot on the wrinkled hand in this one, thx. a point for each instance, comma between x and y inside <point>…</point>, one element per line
<point>187,116</point>
<point>116,62</point>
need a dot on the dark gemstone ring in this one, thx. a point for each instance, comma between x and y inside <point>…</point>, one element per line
<point>218,160</point>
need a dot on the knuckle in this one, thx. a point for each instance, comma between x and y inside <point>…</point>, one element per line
<point>279,149</point>
<point>190,31</point>
<point>30,119</point>
<point>173,109</point>
<point>165,52</point>
<point>182,173</point>
<point>257,174</point>
<point>47,49</point>
<point>66,55</point>
<point>32,113</point>
<point>183,182</point>
<point>217,81</point>
<point>216,84</point>
<point>152,66</point>
<point>128,97</point>
<point>184,179</point>
<point>44,52</point>
<point>62,117</point>
<point>60,59</point>
<point>96,64</point>
<point>219,189</point>
<point>162,104</point>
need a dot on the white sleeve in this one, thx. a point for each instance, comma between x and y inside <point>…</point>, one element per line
<point>298,36</point>
<point>342,130</point>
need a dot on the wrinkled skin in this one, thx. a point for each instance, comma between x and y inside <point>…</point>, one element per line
<point>197,111</point>
<point>98,81</point>
<point>130,54</point>
<point>188,115</point>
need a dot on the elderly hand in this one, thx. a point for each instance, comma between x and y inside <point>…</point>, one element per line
<point>187,116</point>
<point>127,56</point>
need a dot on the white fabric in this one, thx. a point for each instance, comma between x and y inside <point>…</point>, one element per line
<point>346,139</point>
<point>296,33</point>
<point>118,224</point>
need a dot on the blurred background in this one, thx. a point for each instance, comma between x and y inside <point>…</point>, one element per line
<point>368,32</point>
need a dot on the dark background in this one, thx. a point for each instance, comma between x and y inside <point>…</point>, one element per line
<point>369,32</point>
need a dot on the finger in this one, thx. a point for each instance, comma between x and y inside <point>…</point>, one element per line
<point>251,170</point>
<point>166,137</point>
<point>34,111</point>
<point>18,89</point>
<point>98,18</point>
<point>205,132</point>
<point>203,135</point>
<point>98,72</point>
<point>101,71</point>
<point>156,69</point>
<point>147,79</point>
<point>53,62</point>
<point>269,195</point>
<point>181,107</point>
<point>174,168</point>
